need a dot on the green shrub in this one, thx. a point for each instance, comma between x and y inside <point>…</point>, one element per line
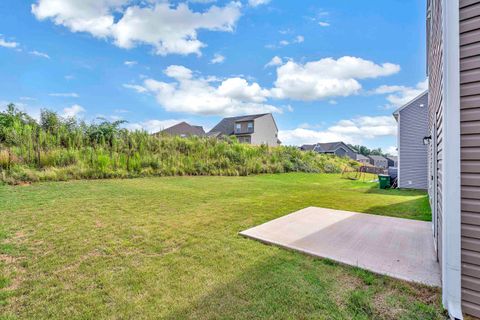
<point>59,149</point>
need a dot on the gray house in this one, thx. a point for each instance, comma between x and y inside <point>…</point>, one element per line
<point>362,159</point>
<point>453,51</point>
<point>378,161</point>
<point>183,129</point>
<point>412,120</point>
<point>254,129</point>
<point>392,161</point>
<point>337,148</point>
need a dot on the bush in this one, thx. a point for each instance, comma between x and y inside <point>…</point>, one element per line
<point>63,149</point>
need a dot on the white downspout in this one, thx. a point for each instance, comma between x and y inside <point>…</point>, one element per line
<point>451,181</point>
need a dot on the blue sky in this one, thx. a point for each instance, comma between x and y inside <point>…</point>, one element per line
<point>327,69</point>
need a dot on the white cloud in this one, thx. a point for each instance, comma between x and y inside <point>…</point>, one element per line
<point>169,29</point>
<point>323,24</point>
<point>327,77</point>
<point>255,3</point>
<point>353,131</point>
<point>65,95</point>
<point>299,39</point>
<point>39,54</point>
<point>8,44</point>
<point>73,111</point>
<point>392,150</point>
<point>69,77</point>
<point>27,99</point>
<point>284,43</point>
<point>239,89</point>
<point>276,61</point>
<point>217,58</point>
<point>197,95</point>
<point>135,87</point>
<point>152,126</point>
<point>130,63</point>
<point>401,95</point>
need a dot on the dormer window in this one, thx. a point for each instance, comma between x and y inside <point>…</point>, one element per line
<point>238,126</point>
<point>250,126</point>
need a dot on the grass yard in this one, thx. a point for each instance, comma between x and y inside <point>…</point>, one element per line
<point>168,248</point>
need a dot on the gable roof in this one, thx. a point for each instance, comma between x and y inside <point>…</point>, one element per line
<point>227,125</point>
<point>394,158</point>
<point>419,100</point>
<point>361,157</point>
<point>377,158</point>
<point>183,128</point>
<point>332,146</point>
<point>307,147</point>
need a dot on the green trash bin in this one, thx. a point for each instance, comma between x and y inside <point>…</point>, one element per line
<point>384,180</point>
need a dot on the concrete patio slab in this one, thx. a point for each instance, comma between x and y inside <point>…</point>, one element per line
<point>396,247</point>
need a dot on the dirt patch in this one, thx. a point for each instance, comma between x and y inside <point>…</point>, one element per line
<point>348,283</point>
<point>7,259</point>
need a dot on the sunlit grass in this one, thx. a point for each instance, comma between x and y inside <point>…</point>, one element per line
<point>169,248</point>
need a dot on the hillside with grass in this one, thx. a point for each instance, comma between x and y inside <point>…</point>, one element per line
<point>58,149</point>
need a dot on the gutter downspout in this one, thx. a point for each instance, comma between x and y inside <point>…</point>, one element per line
<point>451,195</point>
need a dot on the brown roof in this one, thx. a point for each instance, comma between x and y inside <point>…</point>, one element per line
<point>184,129</point>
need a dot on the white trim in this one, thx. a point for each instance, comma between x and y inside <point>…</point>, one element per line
<point>399,170</point>
<point>451,248</point>
<point>408,104</point>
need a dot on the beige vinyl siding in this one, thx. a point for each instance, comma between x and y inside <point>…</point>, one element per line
<point>266,131</point>
<point>470,153</point>
<point>435,105</point>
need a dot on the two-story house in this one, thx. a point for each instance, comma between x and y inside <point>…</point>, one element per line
<point>254,129</point>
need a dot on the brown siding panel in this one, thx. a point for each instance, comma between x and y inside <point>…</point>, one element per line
<point>470,102</point>
<point>470,218</point>
<point>470,153</point>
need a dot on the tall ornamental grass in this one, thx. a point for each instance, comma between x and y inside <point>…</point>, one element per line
<point>58,149</point>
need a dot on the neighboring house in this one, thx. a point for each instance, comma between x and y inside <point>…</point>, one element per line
<point>392,161</point>
<point>453,28</point>
<point>362,159</point>
<point>337,148</point>
<point>378,161</point>
<point>183,129</point>
<point>412,120</point>
<point>254,129</point>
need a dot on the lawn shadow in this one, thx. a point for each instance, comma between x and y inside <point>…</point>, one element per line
<point>294,286</point>
<point>281,286</point>
<point>396,192</point>
<point>417,209</point>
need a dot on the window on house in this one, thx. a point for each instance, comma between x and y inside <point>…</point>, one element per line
<point>250,126</point>
<point>238,126</point>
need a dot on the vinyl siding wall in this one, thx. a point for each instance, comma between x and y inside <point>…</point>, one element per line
<point>413,162</point>
<point>435,110</point>
<point>266,131</point>
<point>470,153</point>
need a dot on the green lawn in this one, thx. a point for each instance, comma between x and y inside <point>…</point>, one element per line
<point>169,248</point>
